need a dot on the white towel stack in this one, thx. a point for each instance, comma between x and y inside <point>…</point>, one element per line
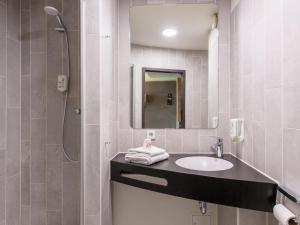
<point>146,156</point>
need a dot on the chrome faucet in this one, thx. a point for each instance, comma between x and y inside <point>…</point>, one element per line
<point>218,147</point>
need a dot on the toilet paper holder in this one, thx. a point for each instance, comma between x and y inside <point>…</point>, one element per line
<point>293,197</point>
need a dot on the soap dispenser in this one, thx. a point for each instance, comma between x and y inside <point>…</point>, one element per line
<point>237,130</point>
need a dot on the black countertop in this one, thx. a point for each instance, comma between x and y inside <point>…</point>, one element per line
<point>241,186</point>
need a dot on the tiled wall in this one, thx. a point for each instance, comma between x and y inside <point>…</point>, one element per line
<point>35,180</point>
<point>99,27</point>
<point>265,72</point>
<point>265,89</point>
<point>173,140</point>
<point>10,112</point>
<point>196,79</point>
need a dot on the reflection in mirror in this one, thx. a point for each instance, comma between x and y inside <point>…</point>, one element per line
<point>174,73</point>
<point>164,96</point>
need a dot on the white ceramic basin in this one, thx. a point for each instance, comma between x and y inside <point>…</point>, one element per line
<point>204,163</point>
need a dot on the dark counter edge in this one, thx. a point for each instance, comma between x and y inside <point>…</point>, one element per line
<point>259,196</point>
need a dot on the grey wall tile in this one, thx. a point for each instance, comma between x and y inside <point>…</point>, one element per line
<point>25,173</point>
<point>190,141</point>
<point>124,140</point>
<point>55,105</point>
<point>54,218</point>
<point>13,142</point>
<point>224,78</point>
<point>273,125</point>
<point>55,43</point>
<point>25,215</point>
<point>291,47</point>
<point>13,73</point>
<point>92,220</point>
<point>25,42</point>
<point>38,194</point>
<point>3,39</point>
<point>3,56</point>
<point>38,214</point>
<point>272,220</point>
<point>250,217</point>
<point>2,113</point>
<point>92,173</point>
<point>71,14</point>
<point>38,155</point>
<point>71,188</point>
<point>93,145</point>
<point>54,175</point>
<point>37,26</point>
<point>92,17</point>
<point>273,45</point>
<point>25,108</point>
<point>227,215</point>
<point>173,141</point>
<point>2,185</point>
<point>13,200</point>
<point>291,141</point>
<point>291,118</point>
<point>3,23</point>
<point>38,85</point>
<point>13,20</point>
<point>25,5</point>
<point>92,107</point>
<point>38,204</point>
<point>259,146</point>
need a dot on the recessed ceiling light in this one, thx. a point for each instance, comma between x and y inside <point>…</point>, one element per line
<point>169,32</point>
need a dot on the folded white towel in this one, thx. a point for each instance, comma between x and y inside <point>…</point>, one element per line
<point>145,159</point>
<point>152,151</point>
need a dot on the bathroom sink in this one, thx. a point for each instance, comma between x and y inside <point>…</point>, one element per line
<point>204,163</point>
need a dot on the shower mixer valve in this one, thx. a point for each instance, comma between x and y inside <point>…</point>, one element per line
<point>62,83</point>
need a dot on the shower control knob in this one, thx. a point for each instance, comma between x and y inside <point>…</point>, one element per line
<point>77,111</point>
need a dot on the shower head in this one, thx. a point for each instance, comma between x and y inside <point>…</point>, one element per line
<point>51,11</point>
<point>54,12</point>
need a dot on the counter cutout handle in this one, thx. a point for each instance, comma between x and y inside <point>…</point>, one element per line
<point>145,178</point>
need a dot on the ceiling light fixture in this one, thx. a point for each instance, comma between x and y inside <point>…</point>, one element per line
<point>169,32</point>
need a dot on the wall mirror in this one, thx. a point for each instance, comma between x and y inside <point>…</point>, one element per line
<point>174,72</point>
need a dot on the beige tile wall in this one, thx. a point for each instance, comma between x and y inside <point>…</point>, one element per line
<point>264,88</point>
<point>99,81</point>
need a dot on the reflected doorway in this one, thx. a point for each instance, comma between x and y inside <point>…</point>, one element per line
<point>163,104</point>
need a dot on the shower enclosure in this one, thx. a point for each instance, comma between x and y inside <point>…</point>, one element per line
<point>40,173</point>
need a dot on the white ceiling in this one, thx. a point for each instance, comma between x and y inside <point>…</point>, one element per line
<point>192,22</point>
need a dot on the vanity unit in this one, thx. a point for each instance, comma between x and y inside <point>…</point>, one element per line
<point>240,186</point>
